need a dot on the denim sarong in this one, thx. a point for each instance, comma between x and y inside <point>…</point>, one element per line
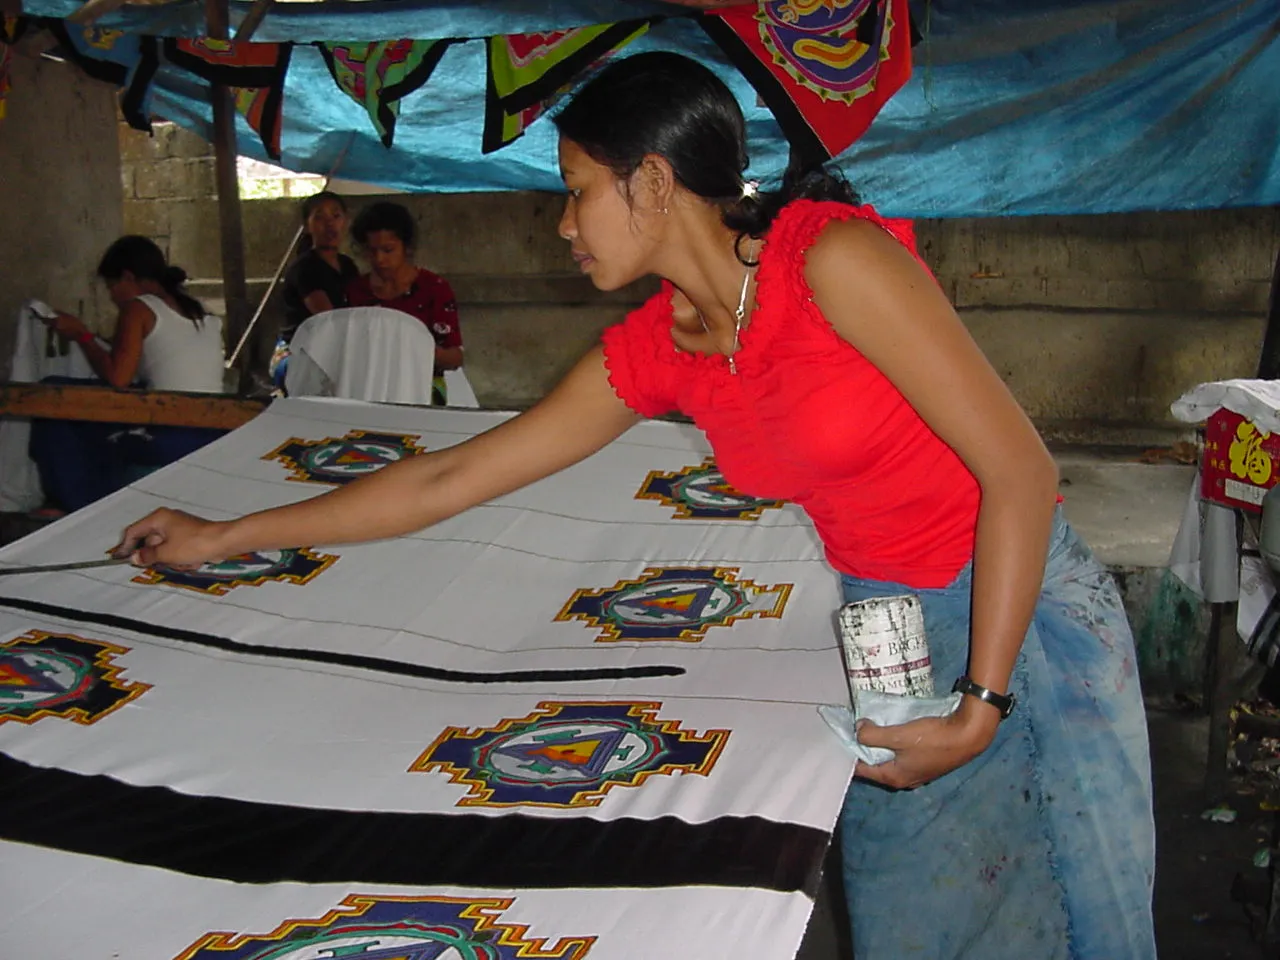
<point>1043,846</point>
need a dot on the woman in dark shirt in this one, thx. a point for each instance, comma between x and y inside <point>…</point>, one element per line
<point>385,232</point>
<point>317,280</point>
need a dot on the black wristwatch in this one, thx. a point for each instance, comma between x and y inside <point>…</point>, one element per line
<point>1004,703</point>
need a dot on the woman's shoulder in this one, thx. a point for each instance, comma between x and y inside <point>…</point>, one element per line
<point>801,223</point>
<point>145,308</point>
<point>428,279</point>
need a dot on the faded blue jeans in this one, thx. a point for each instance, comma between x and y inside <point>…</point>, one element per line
<point>1044,846</point>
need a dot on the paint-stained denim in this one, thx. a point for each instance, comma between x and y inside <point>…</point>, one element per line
<point>1043,847</point>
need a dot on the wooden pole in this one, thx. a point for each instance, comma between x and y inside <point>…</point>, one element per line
<point>253,19</point>
<point>231,228</point>
<point>1269,361</point>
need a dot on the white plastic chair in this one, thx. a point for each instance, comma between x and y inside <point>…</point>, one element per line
<point>368,353</point>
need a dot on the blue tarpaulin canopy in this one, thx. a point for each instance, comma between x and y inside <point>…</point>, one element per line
<point>1014,106</point>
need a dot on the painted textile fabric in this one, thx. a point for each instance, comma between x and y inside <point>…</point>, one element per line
<point>1044,846</point>
<point>554,726</point>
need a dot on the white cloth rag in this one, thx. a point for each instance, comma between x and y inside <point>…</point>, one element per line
<point>885,710</point>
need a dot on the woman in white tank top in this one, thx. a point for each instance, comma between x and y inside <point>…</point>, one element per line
<point>164,340</point>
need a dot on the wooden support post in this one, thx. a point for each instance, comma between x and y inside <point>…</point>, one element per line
<point>142,407</point>
<point>253,19</point>
<point>1223,657</point>
<point>231,227</point>
<point>1269,361</point>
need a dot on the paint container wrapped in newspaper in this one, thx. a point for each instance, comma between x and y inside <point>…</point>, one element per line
<point>884,646</point>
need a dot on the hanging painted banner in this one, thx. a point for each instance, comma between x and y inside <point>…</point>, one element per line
<point>379,75</point>
<point>578,718</point>
<point>12,27</point>
<point>823,67</point>
<point>528,72</point>
<point>255,72</point>
<point>263,109</point>
<point>122,59</point>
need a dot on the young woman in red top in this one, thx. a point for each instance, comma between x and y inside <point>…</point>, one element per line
<point>803,334</point>
<point>386,233</point>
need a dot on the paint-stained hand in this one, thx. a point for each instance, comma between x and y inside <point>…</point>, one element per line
<point>928,748</point>
<point>65,324</point>
<point>173,538</point>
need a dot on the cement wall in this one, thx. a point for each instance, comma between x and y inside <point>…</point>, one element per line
<point>1096,323</point>
<point>60,190</point>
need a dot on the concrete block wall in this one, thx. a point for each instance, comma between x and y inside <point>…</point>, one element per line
<point>1097,323</point>
<point>60,190</point>
<point>168,183</point>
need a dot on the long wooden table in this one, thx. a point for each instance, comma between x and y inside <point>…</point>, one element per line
<point>144,407</point>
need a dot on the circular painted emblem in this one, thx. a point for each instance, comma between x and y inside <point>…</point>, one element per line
<point>816,42</point>
<point>434,943</point>
<point>563,752</point>
<point>264,563</point>
<point>348,459</point>
<point>42,678</point>
<point>675,603</point>
<point>707,489</point>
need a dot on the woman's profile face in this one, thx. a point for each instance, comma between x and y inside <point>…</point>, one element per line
<point>123,288</point>
<point>326,224</point>
<point>386,252</point>
<point>605,228</point>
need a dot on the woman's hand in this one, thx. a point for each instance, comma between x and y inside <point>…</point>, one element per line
<point>66,325</point>
<point>173,538</point>
<point>928,748</point>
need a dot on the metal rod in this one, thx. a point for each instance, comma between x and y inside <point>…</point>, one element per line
<point>284,262</point>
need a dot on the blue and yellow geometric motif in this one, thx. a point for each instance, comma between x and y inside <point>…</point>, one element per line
<point>568,754</point>
<point>296,565</point>
<point>395,928</point>
<point>61,675</point>
<point>701,493</point>
<point>674,603</point>
<point>343,459</point>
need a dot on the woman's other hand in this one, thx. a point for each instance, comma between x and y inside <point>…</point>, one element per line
<point>173,538</point>
<point>926,749</point>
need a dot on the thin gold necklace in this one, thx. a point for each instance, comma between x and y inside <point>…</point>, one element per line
<point>738,316</point>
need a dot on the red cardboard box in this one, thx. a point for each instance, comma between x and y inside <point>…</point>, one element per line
<point>1241,463</point>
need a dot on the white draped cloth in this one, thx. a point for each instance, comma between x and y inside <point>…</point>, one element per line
<point>1207,553</point>
<point>369,353</point>
<point>37,353</point>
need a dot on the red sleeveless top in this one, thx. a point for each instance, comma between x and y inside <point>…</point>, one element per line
<point>808,419</point>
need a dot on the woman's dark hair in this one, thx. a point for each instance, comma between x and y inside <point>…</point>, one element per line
<point>384,215</point>
<point>309,206</point>
<point>142,258</point>
<point>666,104</point>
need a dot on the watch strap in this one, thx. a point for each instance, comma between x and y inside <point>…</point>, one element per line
<point>1002,702</point>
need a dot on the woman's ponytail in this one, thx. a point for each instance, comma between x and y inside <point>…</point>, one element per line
<point>172,279</point>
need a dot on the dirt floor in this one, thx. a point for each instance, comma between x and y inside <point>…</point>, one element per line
<point>1199,861</point>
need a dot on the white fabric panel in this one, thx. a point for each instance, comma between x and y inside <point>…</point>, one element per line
<point>411,676</point>
<point>127,911</point>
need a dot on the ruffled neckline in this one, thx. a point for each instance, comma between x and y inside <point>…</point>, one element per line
<point>781,287</point>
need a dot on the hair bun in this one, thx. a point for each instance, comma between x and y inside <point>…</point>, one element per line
<point>173,277</point>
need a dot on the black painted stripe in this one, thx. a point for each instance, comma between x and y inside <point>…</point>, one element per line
<point>378,664</point>
<point>249,842</point>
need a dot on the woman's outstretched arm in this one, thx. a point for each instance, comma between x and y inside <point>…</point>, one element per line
<point>581,415</point>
